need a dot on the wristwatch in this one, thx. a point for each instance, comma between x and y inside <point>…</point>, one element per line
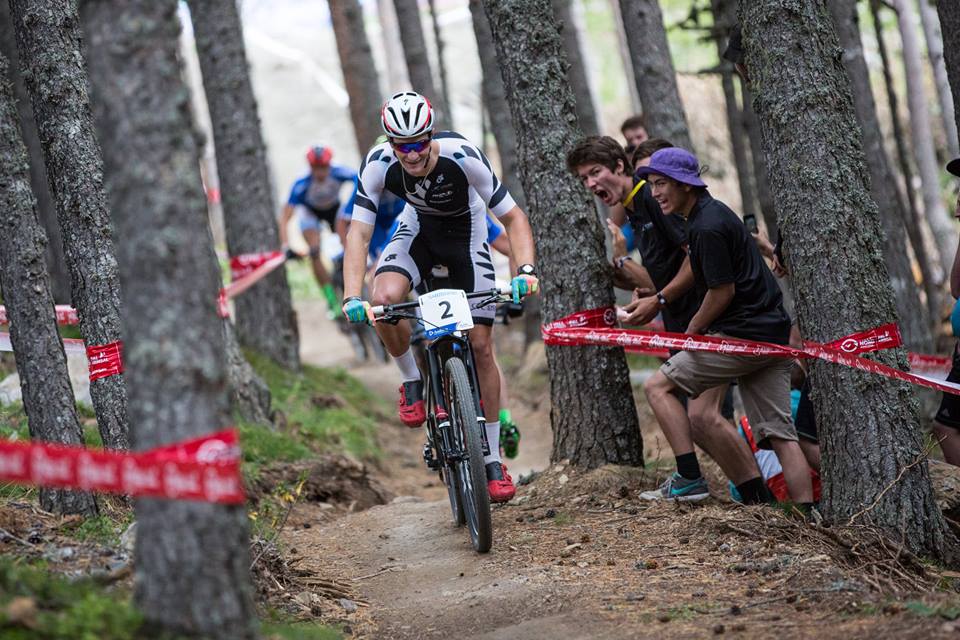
<point>662,300</point>
<point>526,270</point>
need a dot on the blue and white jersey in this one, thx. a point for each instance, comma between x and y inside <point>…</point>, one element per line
<point>320,196</point>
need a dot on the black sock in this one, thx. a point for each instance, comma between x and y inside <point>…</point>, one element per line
<point>754,491</point>
<point>687,466</point>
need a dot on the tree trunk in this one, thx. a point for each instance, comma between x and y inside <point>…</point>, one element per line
<point>624,50</point>
<point>724,19</point>
<point>359,71</point>
<point>46,209</point>
<point>576,69</point>
<point>265,320</point>
<point>495,99</point>
<point>874,465</point>
<point>764,198</point>
<point>944,232</point>
<point>415,53</point>
<point>949,12</point>
<point>914,318</point>
<point>653,72</point>
<point>192,558</point>
<point>249,394</point>
<point>931,32</point>
<point>48,35</point>
<point>393,49</point>
<point>921,237</point>
<point>441,64</point>
<point>593,414</point>
<point>25,286</point>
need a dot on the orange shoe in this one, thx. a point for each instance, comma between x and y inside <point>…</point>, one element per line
<point>499,483</point>
<point>412,410</point>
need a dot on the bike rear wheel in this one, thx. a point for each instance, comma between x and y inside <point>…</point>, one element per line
<point>471,475</point>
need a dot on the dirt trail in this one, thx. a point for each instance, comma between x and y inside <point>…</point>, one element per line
<point>578,555</point>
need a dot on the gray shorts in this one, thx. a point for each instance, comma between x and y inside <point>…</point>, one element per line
<point>764,384</point>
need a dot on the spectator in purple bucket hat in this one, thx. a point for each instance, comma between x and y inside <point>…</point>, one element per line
<point>740,299</point>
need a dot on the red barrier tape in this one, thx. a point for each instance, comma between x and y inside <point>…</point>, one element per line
<point>264,263</point>
<point>205,469</point>
<point>593,328</point>
<point>65,314</point>
<point>105,360</point>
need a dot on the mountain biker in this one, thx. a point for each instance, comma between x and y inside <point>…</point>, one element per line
<point>315,198</point>
<point>450,185</point>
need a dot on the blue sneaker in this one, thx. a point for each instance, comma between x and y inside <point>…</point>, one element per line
<point>678,488</point>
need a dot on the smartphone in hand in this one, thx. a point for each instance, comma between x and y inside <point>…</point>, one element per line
<point>750,221</point>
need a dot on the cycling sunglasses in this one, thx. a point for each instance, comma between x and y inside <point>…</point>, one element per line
<point>411,147</point>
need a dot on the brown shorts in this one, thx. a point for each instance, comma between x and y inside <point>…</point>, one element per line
<point>764,384</point>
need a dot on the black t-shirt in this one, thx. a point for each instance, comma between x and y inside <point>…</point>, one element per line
<point>721,252</point>
<point>662,243</point>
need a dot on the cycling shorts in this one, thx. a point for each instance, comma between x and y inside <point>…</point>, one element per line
<point>422,242</point>
<point>310,219</point>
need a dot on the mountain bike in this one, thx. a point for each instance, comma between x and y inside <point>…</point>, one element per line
<point>456,435</point>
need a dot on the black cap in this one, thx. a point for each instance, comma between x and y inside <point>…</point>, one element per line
<point>954,167</point>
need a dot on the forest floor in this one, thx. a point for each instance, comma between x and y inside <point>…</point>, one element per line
<point>579,555</point>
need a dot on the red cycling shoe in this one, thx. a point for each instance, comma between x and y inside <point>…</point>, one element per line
<point>499,483</point>
<point>412,411</point>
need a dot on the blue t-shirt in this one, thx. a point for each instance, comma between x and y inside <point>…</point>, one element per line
<point>320,196</point>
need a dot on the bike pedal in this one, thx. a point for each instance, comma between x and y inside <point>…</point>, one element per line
<point>429,458</point>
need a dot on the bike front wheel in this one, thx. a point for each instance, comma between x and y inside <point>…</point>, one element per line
<point>469,468</point>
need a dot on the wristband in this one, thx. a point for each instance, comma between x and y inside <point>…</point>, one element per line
<point>661,299</point>
<point>621,260</point>
<point>526,270</point>
<point>350,299</point>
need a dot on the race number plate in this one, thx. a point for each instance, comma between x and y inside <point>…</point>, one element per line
<point>444,311</point>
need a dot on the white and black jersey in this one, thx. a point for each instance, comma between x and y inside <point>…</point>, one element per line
<point>444,222</point>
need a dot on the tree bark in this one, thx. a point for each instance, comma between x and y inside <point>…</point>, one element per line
<point>415,53</point>
<point>944,232</point>
<point>48,36</point>
<point>359,71</point>
<point>932,34</point>
<point>915,321</point>
<point>495,99</point>
<point>441,63</point>
<point>593,414</point>
<point>265,319</point>
<point>393,49</point>
<point>874,465</point>
<point>46,209</point>
<point>653,72</point>
<point>949,12</point>
<point>921,237</point>
<point>25,286</point>
<point>624,50</point>
<point>724,19</point>
<point>576,69</point>
<point>192,559</point>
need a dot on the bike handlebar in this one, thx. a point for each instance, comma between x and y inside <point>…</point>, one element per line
<point>382,311</point>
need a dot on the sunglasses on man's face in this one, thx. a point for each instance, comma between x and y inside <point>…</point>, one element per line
<point>411,147</point>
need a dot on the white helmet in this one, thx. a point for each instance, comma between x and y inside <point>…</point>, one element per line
<point>406,115</point>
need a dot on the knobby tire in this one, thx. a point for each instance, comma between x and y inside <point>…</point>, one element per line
<point>470,471</point>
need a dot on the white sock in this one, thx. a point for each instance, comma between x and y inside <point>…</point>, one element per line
<point>408,366</point>
<point>493,439</point>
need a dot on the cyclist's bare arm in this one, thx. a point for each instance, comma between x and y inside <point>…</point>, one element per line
<point>520,235</point>
<point>285,214</point>
<point>355,257</point>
